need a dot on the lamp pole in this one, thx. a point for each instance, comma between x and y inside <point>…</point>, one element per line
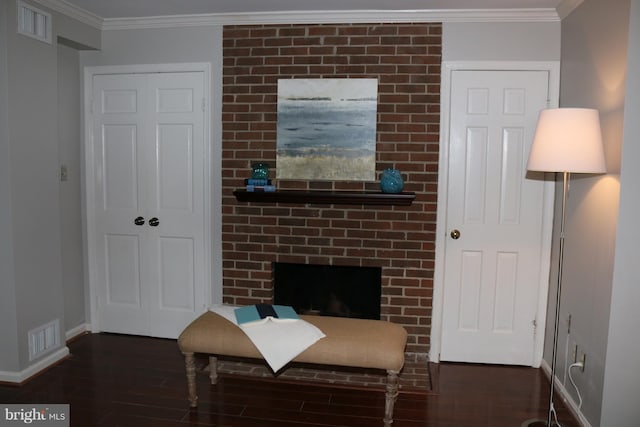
<point>565,181</point>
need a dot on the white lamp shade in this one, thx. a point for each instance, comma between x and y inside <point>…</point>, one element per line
<point>567,140</point>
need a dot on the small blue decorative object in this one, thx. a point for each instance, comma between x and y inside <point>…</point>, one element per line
<point>391,181</point>
<point>260,171</point>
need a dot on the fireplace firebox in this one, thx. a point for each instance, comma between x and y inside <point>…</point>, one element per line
<point>328,290</point>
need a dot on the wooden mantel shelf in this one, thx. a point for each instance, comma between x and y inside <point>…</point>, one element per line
<point>326,197</point>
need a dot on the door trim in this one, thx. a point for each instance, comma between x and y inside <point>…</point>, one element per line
<point>211,186</point>
<point>448,67</point>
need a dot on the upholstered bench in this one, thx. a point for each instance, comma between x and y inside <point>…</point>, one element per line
<point>349,342</point>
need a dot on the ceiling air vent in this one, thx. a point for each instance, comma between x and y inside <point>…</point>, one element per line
<point>33,22</point>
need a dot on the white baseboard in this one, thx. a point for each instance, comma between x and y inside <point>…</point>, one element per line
<point>40,365</point>
<point>78,330</point>
<point>566,397</point>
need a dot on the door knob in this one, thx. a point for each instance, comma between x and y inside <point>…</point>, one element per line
<point>455,234</point>
<point>154,222</point>
<point>138,221</point>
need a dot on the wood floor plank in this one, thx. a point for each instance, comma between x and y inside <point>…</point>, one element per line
<point>115,380</point>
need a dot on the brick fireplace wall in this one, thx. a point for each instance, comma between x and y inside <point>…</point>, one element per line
<point>405,58</point>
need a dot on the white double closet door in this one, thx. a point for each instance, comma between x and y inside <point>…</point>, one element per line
<point>148,144</point>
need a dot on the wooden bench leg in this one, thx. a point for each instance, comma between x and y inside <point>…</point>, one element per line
<point>190,364</point>
<point>391,395</point>
<point>213,369</point>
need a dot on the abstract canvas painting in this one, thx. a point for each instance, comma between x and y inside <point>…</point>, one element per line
<point>327,129</point>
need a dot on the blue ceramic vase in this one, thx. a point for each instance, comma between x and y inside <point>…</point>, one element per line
<point>260,171</point>
<point>391,181</point>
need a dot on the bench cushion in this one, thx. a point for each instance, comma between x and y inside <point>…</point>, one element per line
<point>351,342</point>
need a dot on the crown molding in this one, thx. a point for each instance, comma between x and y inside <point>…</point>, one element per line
<point>314,17</point>
<point>331,17</point>
<point>73,11</point>
<point>567,6</point>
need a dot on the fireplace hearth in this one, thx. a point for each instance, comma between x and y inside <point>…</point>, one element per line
<point>328,290</point>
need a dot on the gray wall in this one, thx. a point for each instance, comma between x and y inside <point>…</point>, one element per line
<point>8,313</point>
<point>594,67</point>
<point>622,376</point>
<point>34,180</point>
<point>158,46</point>
<point>71,246</point>
<point>501,41</point>
<point>32,276</point>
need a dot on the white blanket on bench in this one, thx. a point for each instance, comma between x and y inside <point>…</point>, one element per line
<point>278,342</point>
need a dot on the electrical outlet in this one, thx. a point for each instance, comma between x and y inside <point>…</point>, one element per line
<point>575,353</point>
<point>583,360</point>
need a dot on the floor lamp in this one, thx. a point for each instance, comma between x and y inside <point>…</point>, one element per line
<point>567,140</point>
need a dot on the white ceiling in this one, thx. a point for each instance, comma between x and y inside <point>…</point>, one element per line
<point>107,9</point>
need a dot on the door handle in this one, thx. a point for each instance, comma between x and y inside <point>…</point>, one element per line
<point>455,234</point>
<point>138,221</point>
<point>154,222</point>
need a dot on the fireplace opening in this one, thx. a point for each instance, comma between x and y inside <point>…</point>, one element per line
<point>328,290</point>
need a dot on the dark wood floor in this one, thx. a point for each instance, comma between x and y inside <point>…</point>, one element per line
<point>114,380</point>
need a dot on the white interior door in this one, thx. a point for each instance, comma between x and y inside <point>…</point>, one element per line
<point>149,162</point>
<point>494,218</point>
